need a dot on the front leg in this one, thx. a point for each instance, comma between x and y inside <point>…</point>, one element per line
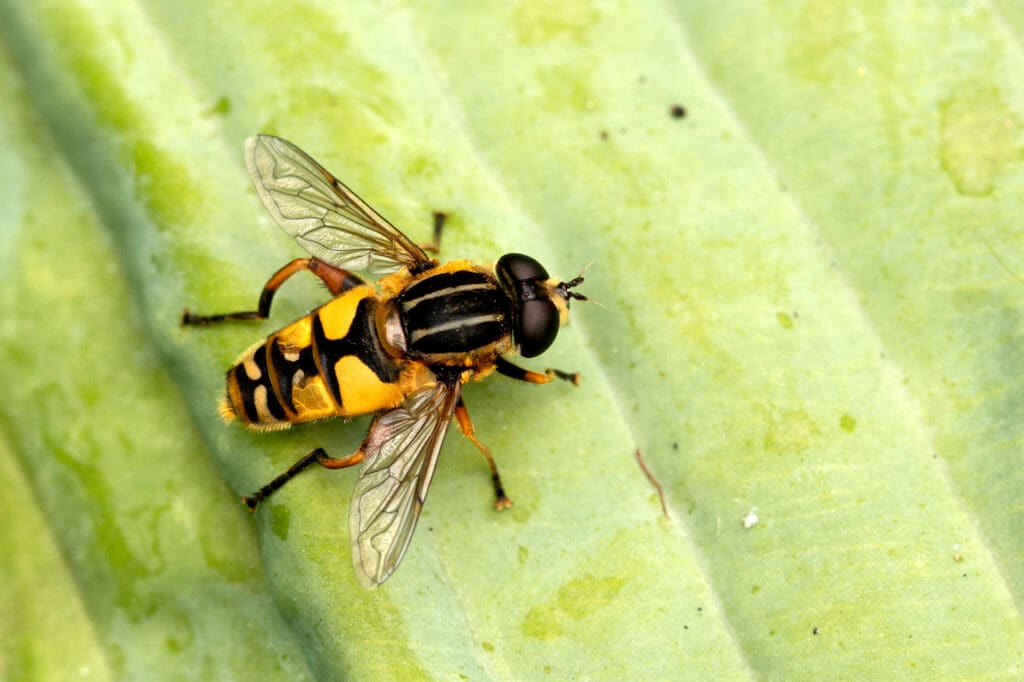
<point>516,372</point>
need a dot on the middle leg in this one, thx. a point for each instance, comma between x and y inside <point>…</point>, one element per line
<point>466,424</point>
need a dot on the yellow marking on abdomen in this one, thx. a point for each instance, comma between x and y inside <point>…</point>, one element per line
<point>336,316</point>
<point>295,337</point>
<point>362,391</point>
<point>251,370</point>
<point>312,400</point>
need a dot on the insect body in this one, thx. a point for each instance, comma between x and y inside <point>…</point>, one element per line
<point>401,350</point>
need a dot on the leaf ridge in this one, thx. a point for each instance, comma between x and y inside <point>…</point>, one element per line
<point>901,393</point>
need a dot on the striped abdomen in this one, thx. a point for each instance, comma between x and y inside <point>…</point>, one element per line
<point>454,313</point>
<point>328,363</point>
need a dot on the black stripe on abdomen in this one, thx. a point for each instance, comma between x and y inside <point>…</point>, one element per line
<point>360,341</point>
<point>288,373</point>
<point>248,387</point>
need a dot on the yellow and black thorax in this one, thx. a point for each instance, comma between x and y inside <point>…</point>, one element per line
<point>455,314</point>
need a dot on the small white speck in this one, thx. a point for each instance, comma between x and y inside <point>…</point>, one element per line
<point>750,520</point>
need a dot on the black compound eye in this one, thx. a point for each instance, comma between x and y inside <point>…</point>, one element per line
<point>538,326</point>
<point>521,268</point>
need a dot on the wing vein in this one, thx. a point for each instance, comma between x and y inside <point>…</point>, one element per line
<point>323,215</point>
<point>401,453</point>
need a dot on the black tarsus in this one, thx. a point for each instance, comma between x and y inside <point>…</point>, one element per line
<point>439,219</point>
<point>252,501</point>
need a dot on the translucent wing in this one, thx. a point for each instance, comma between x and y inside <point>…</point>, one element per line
<point>401,453</point>
<point>324,216</point>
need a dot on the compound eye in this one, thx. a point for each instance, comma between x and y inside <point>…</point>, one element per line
<point>538,326</point>
<point>521,268</point>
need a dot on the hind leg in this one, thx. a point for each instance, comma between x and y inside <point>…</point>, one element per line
<point>336,279</point>
<point>318,456</point>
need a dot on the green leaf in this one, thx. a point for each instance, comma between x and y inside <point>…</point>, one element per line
<point>804,222</point>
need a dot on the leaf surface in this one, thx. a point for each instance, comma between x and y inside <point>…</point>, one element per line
<point>804,223</point>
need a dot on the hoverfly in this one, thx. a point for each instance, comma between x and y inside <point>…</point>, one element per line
<point>401,350</point>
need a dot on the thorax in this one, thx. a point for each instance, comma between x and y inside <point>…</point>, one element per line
<point>455,314</point>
